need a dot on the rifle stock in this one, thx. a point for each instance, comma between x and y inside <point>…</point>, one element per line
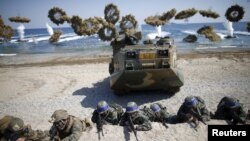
<point>237,118</point>
<point>164,123</point>
<point>99,126</point>
<point>14,136</point>
<point>197,116</point>
<point>131,124</point>
<point>194,126</point>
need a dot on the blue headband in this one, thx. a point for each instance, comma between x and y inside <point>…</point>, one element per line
<point>155,108</point>
<point>102,108</point>
<point>192,102</point>
<point>232,104</point>
<point>131,109</point>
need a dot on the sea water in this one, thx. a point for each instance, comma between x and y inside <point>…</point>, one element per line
<point>38,45</point>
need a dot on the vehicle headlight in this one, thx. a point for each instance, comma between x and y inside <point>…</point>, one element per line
<point>131,54</point>
<point>162,53</point>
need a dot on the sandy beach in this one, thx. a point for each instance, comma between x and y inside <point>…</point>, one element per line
<point>32,92</point>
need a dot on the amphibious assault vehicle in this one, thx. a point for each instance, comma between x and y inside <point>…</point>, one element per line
<point>148,66</point>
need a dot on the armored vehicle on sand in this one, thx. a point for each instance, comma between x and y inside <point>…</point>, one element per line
<point>145,66</point>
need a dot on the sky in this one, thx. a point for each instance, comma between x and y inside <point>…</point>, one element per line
<point>37,10</point>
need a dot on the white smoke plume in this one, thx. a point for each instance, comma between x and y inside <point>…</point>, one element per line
<point>49,29</point>
<point>158,29</point>
<point>229,26</point>
<point>20,30</point>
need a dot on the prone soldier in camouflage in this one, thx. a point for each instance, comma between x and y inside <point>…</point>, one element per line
<point>137,117</point>
<point>106,114</point>
<point>67,127</point>
<point>109,114</point>
<point>13,129</point>
<point>157,113</point>
<point>231,109</point>
<point>193,109</point>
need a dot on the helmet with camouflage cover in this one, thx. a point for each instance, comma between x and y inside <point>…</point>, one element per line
<point>190,101</point>
<point>230,102</point>
<point>16,124</point>
<point>59,115</point>
<point>102,107</point>
<point>131,107</point>
<point>155,107</point>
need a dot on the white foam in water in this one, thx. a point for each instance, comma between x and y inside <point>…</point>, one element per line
<point>49,29</point>
<point>210,47</point>
<point>30,40</point>
<point>242,33</point>
<point>192,32</point>
<point>71,38</point>
<point>152,36</point>
<point>65,37</point>
<point>3,54</point>
<point>235,32</point>
<point>222,36</point>
<point>228,46</point>
<point>34,40</point>
<point>68,35</point>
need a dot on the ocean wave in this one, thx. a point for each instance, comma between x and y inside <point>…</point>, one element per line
<point>38,38</point>
<point>5,54</point>
<point>222,36</point>
<point>71,38</point>
<point>242,33</point>
<point>154,35</point>
<point>192,32</point>
<point>215,47</point>
<point>245,33</point>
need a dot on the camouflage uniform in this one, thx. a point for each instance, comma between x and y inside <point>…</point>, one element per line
<point>230,109</point>
<point>109,115</point>
<point>194,104</point>
<point>156,113</point>
<point>13,128</point>
<point>137,118</point>
<point>67,127</point>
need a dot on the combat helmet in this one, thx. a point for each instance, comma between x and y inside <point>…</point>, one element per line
<point>230,102</point>
<point>155,107</point>
<point>190,101</point>
<point>16,124</point>
<point>131,107</point>
<point>102,107</point>
<point>59,115</point>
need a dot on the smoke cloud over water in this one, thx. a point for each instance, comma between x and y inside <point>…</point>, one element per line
<point>229,26</point>
<point>20,30</point>
<point>49,29</point>
<point>158,29</point>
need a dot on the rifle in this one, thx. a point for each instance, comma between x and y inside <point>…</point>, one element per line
<point>131,124</point>
<point>194,126</point>
<point>237,118</point>
<point>164,123</point>
<point>197,116</point>
<point>53,133</point>
<point>14,136</point>
<point>99,126</point>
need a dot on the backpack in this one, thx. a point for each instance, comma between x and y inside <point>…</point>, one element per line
<point>118,108</point>
<point>147,112</point>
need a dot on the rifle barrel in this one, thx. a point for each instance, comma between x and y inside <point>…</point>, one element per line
<point>131,124</point>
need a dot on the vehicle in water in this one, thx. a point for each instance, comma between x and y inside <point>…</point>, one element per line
<point>145,66</point>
